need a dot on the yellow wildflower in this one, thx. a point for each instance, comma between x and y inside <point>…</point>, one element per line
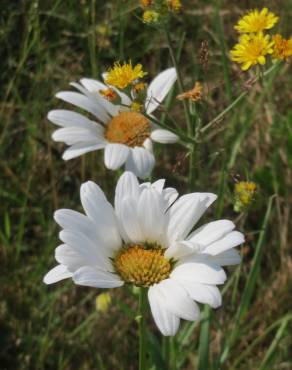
<point>282,48</point>
<point>244,194</point>
<point>109,94</point>
<point>195,94</point>
<point>103,302</point>
<point>174,5</point>
<point>136,106</point>
<point>121,76</point>
<point>252,50</point>
<point>150,16</point>
<point>256,21</point>
<point>139,86</point>
<point>146,3</point>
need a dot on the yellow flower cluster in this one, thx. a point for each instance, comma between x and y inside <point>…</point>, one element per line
<point>244,194</point>
<point>123,75</point>
<point>254,45</point>
<point>155,10</point>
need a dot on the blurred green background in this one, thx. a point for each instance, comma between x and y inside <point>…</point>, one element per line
<point>45,45</point>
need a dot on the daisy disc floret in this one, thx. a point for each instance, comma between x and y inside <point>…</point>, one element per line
<point>119,124</point>
<point>256,21</point>
<point>252,49</point>
<point>123,75</point>
<point>147,240</point>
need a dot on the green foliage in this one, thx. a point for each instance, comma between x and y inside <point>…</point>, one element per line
<point>47,44</point>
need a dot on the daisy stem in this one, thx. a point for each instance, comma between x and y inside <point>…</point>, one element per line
<point>179,79</point>
<point>142,329</point>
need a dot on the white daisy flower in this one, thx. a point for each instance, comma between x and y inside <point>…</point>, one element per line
<point>124,133</point>
<point>147,240</point>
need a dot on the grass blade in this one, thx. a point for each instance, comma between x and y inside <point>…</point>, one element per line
<point>250,284</point>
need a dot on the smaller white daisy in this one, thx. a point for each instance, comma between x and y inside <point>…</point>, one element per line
<point>147,240</point>
<point>124,133</point>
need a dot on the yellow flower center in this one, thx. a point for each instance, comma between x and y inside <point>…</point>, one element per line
<point>141,266</point>
<point>130,128</point>
<point>123,75</point>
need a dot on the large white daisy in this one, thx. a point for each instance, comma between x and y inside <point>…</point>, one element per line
<point>147,240</point>
<point>125,135</point>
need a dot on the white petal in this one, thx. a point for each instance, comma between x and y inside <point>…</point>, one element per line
<point>227,258</point>
<point>58,273</point>
<point>106,108</point>
<point>101,213</point>
<point>92,197</point>
<point>140,162</point>
<point>185,212</point>
<point>206,294</point>
<point>129,221</point>
<point>96,86</point>
<point>103,232</point>
<point>127,186</point>
<point>200,272</point>
<point>72,220</point>
<point>158,185</point>
<point>89,276</point>
<point>82,101</point>
<point>151,215</point>
<point>230,240</point>
<point>177,300</point>
<point>159,88</point>
<point>148,145</point>
<point>73,135</point>
<point>115,155</point>
<point>93,251</point>
<point>170,196</point>
<point>211,232</point>
<point>179,249</point>
<point>67,118</point>
<point>166,321</point>
<point>70,258</point>
<point>164,136</point>
<point>81,148</point>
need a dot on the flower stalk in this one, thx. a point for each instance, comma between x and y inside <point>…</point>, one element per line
<point>142,328</point>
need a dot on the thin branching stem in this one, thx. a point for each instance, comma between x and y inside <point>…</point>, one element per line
<point>235,102</point>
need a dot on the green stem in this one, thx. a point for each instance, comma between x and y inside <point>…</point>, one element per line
<point>92,39</point>
<point>192,160</point>
<point>179,80</point>
<point>142,329</point>
<point>220,31</point>
<point>182,136</point>
<point>203,362</point>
